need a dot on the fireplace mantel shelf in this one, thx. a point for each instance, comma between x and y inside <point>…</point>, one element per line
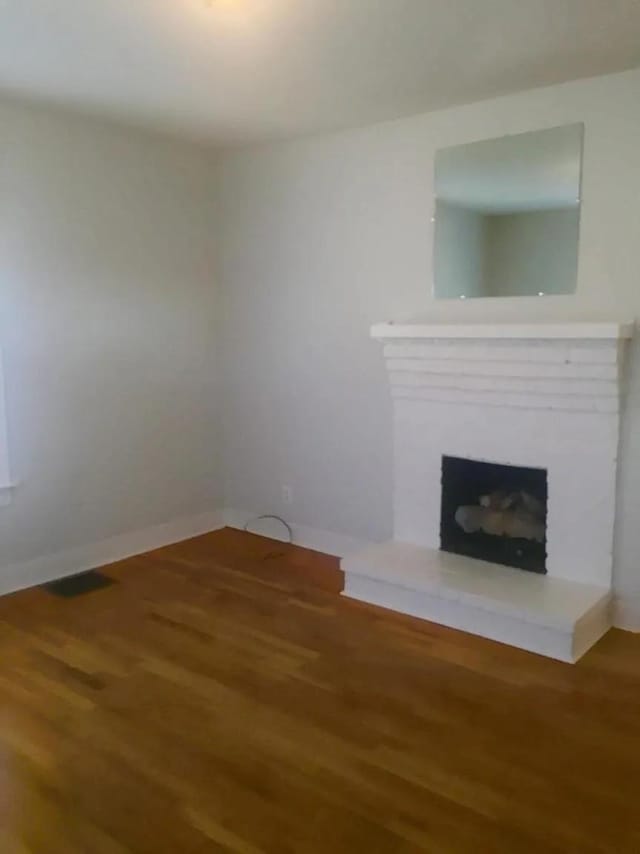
<point>591,330</point>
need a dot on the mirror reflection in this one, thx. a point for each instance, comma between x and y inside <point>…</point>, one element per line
<point>507,215</point>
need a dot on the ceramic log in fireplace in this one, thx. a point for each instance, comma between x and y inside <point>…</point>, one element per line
<point>494,512</point>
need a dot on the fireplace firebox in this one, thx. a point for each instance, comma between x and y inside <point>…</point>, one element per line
<point>494,512</point>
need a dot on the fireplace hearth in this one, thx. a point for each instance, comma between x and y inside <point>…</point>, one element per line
<point>494,512</point>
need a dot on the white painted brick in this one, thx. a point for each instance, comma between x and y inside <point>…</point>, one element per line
<point>506,399</point>
<point>598,352</point>
<point>506,352</point>
<point>604,388</point>
<point>544,404</point>
<point>592,352</point>
<point>504,369</point>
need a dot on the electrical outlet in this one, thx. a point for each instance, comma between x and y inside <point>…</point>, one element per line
<point>287,495</point>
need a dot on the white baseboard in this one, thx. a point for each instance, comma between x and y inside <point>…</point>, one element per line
<point>19,576</point>
<point>316,539</point>
<point>31,573</point>
<point>626,612</point>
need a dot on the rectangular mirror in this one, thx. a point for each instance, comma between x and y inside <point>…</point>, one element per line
<point>507,215</point>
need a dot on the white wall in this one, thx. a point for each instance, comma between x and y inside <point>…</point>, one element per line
<point>460,245</point>
<point>321,237</point>
<point>107,323</point>
<point>531,252</point>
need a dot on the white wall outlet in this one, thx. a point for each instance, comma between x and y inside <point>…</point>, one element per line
<point>287,495</point>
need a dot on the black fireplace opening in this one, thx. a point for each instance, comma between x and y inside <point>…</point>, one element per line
<point>494,512</point>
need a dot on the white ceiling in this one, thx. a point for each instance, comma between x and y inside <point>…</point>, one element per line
<point>248,70</point>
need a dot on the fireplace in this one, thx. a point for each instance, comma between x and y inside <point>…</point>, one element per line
<point>494,512</point>
<point>467,400</point>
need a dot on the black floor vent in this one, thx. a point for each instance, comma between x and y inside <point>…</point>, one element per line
<point>77,585</point>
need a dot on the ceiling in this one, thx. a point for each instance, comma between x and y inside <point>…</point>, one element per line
<point>247,70</point>
<point>534,171</point>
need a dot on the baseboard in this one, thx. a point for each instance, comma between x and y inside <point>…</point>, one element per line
<point>19,576</point>
<point>31,573</point>
<point>626,612</point>
<point>317,539</point>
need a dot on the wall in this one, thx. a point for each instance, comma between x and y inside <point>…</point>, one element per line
<point>459,251</point>
<point>321,237</point>
<point>108,311</point>
<point>531,252</point>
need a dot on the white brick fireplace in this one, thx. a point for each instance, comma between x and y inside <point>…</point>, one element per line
<point>541,396</point>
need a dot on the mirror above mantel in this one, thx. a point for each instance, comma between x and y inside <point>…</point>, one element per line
<point>507,215</point>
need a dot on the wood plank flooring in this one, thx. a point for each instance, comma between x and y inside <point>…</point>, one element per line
<point>221,697</point>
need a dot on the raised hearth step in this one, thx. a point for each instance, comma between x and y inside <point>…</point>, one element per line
<point>551,616</point>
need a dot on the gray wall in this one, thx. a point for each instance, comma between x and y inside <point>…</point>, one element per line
<point>322,237</point>
<point>108,313</point>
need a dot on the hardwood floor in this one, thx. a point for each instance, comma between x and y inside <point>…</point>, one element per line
<point>222,698</point>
